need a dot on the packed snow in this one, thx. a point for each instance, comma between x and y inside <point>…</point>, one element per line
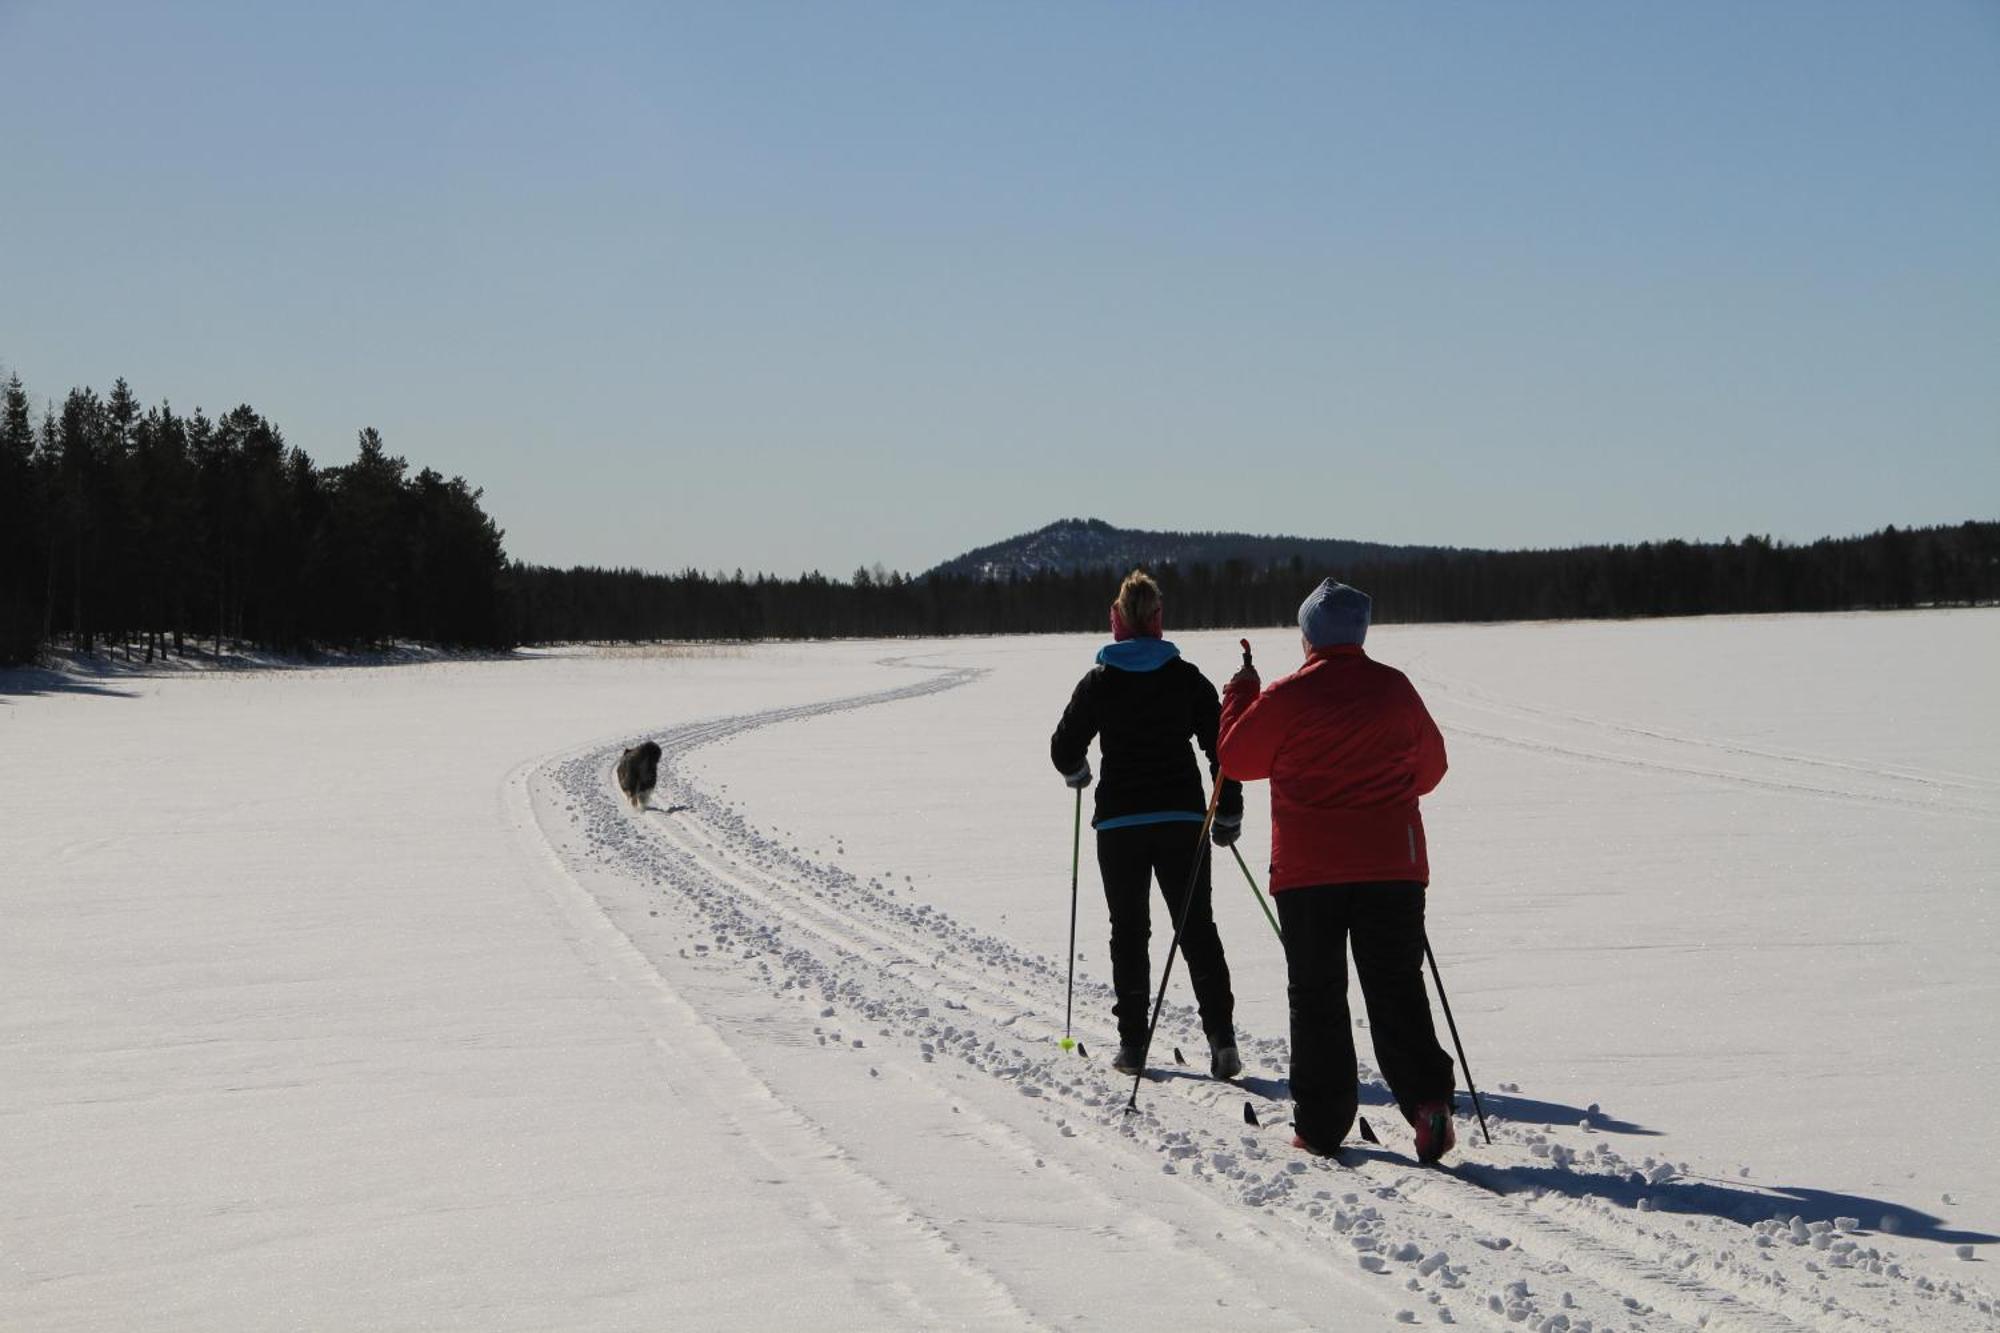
<point>358,997</point>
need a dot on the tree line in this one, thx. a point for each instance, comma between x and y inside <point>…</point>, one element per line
<point>145,531</point>
<point>1892,568</point>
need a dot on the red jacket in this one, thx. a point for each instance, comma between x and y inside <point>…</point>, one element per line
<point>1348,747</point>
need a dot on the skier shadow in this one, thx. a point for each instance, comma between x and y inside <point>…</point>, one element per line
<point>1273,1089</point>
<point>1746,1204</point>
<point>31,681</point>
<point>1277,1089</point>
<point>669,810</point>
<point>1522,1110</point>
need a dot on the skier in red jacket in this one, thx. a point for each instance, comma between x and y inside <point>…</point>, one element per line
<point>1348,748</point>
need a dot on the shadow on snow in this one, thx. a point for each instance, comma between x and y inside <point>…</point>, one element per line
<point>1512,1106</point>
<point>1744,1203</point>
<point>29,682</point>
<point>101,674</point>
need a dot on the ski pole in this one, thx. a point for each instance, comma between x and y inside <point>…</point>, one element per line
<point>1439,978</point>
<point>1180,920</point>
<point>1256,892</point>
<point>1075,857</point>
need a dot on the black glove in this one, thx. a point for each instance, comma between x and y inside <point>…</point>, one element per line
<point>1079,779</point>
<point>1226,830</point>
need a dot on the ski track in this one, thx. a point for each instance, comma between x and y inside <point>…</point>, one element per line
<point>1786,786</point>
<point>1931,792</point>
<point>1537,1231</point>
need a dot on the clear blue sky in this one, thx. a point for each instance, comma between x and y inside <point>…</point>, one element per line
<point>813,285</point>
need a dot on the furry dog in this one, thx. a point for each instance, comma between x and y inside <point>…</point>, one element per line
<point>639,773</point>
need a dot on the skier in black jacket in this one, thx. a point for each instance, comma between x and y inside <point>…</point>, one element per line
<point>1142,701</point>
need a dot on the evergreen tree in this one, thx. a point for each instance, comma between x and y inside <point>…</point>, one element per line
<point>23,517</point>
<point>80,450</point>
<point>368,542</point>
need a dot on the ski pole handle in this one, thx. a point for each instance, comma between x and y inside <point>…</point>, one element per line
<point>1246,651</point>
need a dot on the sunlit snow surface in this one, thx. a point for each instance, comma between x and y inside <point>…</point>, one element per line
<point>357,998</point>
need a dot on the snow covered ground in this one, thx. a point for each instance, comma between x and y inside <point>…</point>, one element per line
<point>355,998</point>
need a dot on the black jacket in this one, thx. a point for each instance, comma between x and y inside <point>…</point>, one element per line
<point>1142,701</point>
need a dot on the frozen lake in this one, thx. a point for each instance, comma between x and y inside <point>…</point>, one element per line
<point>354,997</point>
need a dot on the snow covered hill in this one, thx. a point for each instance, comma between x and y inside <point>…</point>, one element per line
<point>1090,543</point>
<point>363,1000</point>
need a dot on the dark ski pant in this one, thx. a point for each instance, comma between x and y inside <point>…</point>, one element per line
<point>1385,922</point>
<point>1130,859</point>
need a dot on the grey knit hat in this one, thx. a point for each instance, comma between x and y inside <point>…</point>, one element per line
<point>1334,614</point>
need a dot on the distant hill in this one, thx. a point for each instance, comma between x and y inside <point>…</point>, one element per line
<point>1073,544</point>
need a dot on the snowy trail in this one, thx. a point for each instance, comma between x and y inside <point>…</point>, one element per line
<point>1501,717</point>
<point>939,1145</point>
<point>296,1034</point>
<point>1587,738</point>
<point>899,1258</point>
<point>921,1053</point>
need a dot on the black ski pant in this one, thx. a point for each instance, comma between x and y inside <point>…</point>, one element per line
<point>1130,859</point>
<point>1385,922</point>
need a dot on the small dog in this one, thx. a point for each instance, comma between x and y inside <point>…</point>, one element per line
<point>639,773</point>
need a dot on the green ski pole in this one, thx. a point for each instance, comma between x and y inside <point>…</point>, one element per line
<point>1257,892</point>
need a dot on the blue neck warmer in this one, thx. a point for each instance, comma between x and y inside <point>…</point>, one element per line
<point>1137,654</point>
